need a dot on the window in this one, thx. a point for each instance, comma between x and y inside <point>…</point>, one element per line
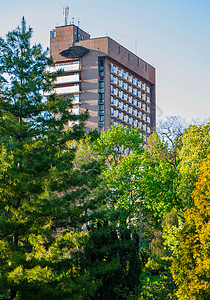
<point>101,75</point>
<point>128,56</point>
<point>100,96</point>
<point>100,63</point>
<point>138,62</point>
<point>118,49</point>
<point>101,119</point>
<point>101,107</point>
<point>52,34</point>
<point>101,84</point>
<point>146,67</point>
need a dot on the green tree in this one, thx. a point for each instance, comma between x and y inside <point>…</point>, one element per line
<point>196,147</point>
<point>111,254</point>
<point>190,268</point>
<point>42,185</point>
<point>157,281</point>
<point>158,186</point>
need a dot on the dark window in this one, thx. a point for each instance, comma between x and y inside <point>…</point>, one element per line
<point>118,49</point>
<point>128,56</point>
<point>101,63</point>
<point>101,107</point>
<point>145,66</point>
<point>138,62</point>
<point>101,84</point>
<point>101,118</point>
<point>101,75</point>
<point>101,96</point>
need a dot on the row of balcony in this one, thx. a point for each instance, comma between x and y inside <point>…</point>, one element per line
<point>119,93</point>
<point>132,113</point>
<point>130,78</point>
<point>130,121</point>
<point>136,104</point>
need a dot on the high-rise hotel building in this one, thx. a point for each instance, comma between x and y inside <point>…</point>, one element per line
<point>114,84</point>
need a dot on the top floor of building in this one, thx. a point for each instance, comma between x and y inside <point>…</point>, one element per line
<point>64,42</point>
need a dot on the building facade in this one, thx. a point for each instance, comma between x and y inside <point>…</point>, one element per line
<point>115,85</point>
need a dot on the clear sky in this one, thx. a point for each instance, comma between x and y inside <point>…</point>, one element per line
<point>173,36</point>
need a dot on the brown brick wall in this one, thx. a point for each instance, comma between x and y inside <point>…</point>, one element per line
<point>64,38</point>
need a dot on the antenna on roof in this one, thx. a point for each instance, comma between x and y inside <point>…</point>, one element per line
<point>78,22</point>
<point>66,14</point>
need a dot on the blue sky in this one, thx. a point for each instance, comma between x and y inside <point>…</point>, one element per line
<point>173,36</point>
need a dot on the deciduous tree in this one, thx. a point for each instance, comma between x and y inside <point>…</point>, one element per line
<point>190,268</point>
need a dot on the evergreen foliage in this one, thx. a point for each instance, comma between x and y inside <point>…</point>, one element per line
<point>41,188</point>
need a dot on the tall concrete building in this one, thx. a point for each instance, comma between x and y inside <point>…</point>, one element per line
<point>114,84</point>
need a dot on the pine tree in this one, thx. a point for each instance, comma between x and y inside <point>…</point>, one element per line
<point>41,189</point>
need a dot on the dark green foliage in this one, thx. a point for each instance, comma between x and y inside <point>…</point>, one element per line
<point>112,258</point>
<point>42,190</point>
<point>157,281</point>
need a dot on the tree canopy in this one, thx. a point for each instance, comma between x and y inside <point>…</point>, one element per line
<point>190,268</point>
<point>89,216</point>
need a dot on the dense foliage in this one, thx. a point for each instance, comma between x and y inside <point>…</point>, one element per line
<point>78,218</point>
<point>190,268</point>
<point>41,190</point>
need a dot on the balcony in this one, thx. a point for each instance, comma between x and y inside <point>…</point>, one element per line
<point>76,99</point>
<point>65,67</point>
<point>67,90</point>
<point>73,123</point>
<point>67,79</point>
<point>75,110</point>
